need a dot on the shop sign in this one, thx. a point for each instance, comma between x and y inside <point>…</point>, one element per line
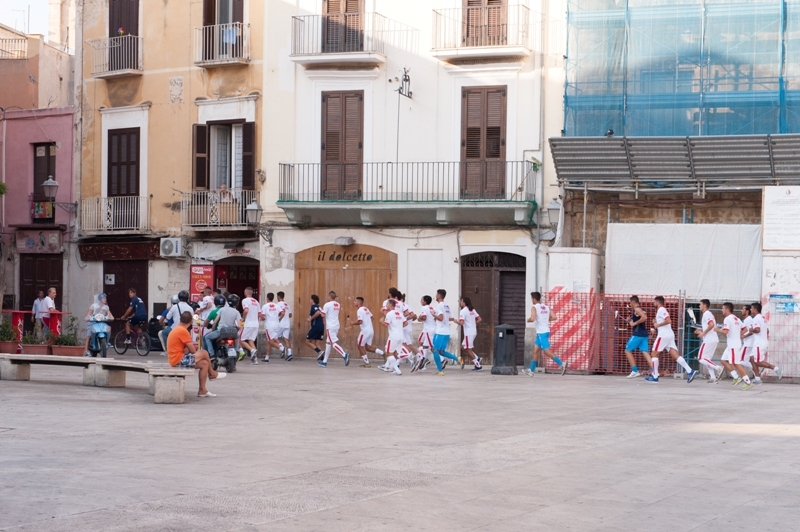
<point>32,241</point>
<point>200,276</point>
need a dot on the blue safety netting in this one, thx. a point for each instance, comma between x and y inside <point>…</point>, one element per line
<point>682,67</point>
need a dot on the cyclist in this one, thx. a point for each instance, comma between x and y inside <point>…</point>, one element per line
<point>135,314</point>
<point>100,306</point>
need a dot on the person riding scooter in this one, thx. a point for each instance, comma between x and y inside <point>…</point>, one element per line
<point>97,317</point>
<point>211,324</point>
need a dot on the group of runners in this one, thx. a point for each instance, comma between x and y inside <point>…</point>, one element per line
<point>745,350</point>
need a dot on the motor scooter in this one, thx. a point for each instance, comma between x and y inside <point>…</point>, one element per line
<point>224,354</point>
<point>100,332</point>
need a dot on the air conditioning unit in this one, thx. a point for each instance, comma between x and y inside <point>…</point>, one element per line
<point>172,247</point>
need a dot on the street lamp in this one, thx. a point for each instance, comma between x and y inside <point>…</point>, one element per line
<point>50,188</point>
<point>554,212</point>
<point>253,211</point>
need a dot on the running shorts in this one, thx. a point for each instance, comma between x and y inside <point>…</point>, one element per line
<point>425,340</point>
<point>249,334</point>
<point>469,341</point>
<point>707,350</point>
<point>394,345</point>
<point>664,343</point>
<point>543,340</point>
<point>440,342</point>
<point>637,342</point>
<point>365,338</point>
<point>332,336</point>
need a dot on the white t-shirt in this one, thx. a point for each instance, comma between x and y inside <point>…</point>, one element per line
<point>365,316</point>
<point>97,308</point>
<point>271,312</point>
<point>395,320</point>
<point>542,318</point>
<point>331,312</point>
<point>733,331</point>
<point>252,307</point>
<point>284,307</point>
<point>429,323</point>
<point>47,304</point>
<point>711,336</point>
<point>661,316</point>
<point>385,306</point>
<point>443,327</point>
<point>760,338</point>
<point>176,310</point>
<point>469,317</point>
<point>746,324</point>
<point>38,307</point>
<point>208,306</point>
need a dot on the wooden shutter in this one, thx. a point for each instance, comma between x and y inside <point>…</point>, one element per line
<point>343,26</point>
<point>200,156</point>
<point>123,162</point>
<point>483,140</point>
<point>209,12</point>
<point>238,10</point>
<point>342,144</point>
<point>249,156</point>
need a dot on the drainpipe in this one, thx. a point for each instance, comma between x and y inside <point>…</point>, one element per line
<point>4,169</point>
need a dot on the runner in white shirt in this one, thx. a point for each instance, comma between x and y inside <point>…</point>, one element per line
<point>394,321</point>
<point>206,304</point>
<point>409,315</point>
<point>541,316</point>
<point>469,319</point>
<point>732,329</point>
<point>665,341</point>
<point>285,325</point>
<point>747,342</point>
<point>426,315</point>
<point>250,312</point>
<point>330,311</point>
<point>761,344</point>
<point>367,333</point>
<point>441,339</point>
<point>708,334</point>
<point>272,314</point>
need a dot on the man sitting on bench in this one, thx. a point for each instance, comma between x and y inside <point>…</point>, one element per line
<point>182,353</point>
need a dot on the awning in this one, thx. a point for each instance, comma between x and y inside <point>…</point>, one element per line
<point>676,164</point>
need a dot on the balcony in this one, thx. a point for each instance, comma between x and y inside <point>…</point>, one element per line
<point>351,38</point>
<point>215,210</point>
<point>485,32</point>
<point>13,48</point>
<point>118,215</point>
<point>403,194</point>
<point>116,57</point>
<point>222,45</point>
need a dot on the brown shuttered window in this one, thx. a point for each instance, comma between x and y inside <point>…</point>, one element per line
<point>483,142</point>
<point>486,22</point>
<point>200,156</point>
<point>342,144</point>
<point>343,27</point>
<point>123,162</point>
<point>44,166</point>
<point>249,155</point>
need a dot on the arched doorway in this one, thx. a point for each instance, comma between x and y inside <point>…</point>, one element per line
<point>352,271</point>
<point>234,274</point>
<point>495,283</point>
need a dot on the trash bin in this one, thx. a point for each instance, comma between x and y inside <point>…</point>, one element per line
<point>505,350</point>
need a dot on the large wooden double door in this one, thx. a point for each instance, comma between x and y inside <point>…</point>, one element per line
<point>352,271</point>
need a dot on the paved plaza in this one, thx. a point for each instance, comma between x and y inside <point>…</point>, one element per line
<point>296,447</point>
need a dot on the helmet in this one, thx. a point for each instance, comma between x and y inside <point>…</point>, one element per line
<point>183,295</point>
<point>233,300</point>
<point>194,305</point>
<point>174,300</point>
<point>219,300</point>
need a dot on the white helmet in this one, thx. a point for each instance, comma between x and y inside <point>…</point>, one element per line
<point>174,299</point>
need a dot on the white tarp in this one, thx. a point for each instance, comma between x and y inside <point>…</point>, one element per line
<point>714,261</point>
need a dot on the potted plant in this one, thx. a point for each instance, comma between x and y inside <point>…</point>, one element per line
<point>66,343</point>
<point>8,342</point>
<point>32,346</point>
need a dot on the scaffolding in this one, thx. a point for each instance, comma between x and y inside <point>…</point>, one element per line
<point>682,67</point>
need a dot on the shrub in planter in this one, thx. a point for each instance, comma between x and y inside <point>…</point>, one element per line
<point>66,343</point>
<point>8,342</point>
<point>32,346</point>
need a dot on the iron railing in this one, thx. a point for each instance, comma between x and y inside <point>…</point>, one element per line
<point>216,208</point>
<point>115,54</point>
<point>469,27</point>
<point>222,43</point>
<point>408,182</point>
<point>13,48</point>
<point>348,33</point>
<point>118,213</point>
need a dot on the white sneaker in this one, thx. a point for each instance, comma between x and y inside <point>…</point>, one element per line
<point>397,370</point>
<point>713,381</point>
<point>758,380</point>
<point>526,371</point>
<point>633,375</point>
<point>383,367</point>
<point>220,375</point>
<point>779,372</point>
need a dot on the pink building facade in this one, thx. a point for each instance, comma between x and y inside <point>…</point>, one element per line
<point>35,145</point>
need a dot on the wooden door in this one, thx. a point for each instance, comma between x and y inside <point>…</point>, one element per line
<point>40,272</point>
<point>479,286</point>
<point>483,142</point>
<point>342,28</point>
<point>351,271</point>
<point>485,22</point>
<point>512,308</point>
<point>123,19</point>
<point>342,145</point>
<point>124,274</point>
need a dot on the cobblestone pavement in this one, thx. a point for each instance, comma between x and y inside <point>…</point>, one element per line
<point>297,447</point>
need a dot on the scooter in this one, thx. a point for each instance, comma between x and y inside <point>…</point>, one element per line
<point>224,354</point>
<point>100,334</point>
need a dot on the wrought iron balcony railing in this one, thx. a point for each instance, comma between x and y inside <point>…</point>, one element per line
<point>479,181</point>
<point>115,56</point>
<point>349,33</point>
<point>119,213</point>
<point>472,27</point>
<point>216,209</point>
<point>222,44</point>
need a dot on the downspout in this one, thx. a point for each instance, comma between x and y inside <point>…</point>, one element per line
<point>4,169</point>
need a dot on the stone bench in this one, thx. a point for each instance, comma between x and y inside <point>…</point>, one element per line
<point>18,367</point>
<point>110,373</point>
<point>168,384</point>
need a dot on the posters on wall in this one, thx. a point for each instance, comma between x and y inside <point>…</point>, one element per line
<point>200,277</point>
<point>781,216</point>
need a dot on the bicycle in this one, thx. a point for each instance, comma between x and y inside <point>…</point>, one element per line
<point>139,339</point>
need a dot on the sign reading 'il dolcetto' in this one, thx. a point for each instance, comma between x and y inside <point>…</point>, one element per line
<point>338,256</point>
